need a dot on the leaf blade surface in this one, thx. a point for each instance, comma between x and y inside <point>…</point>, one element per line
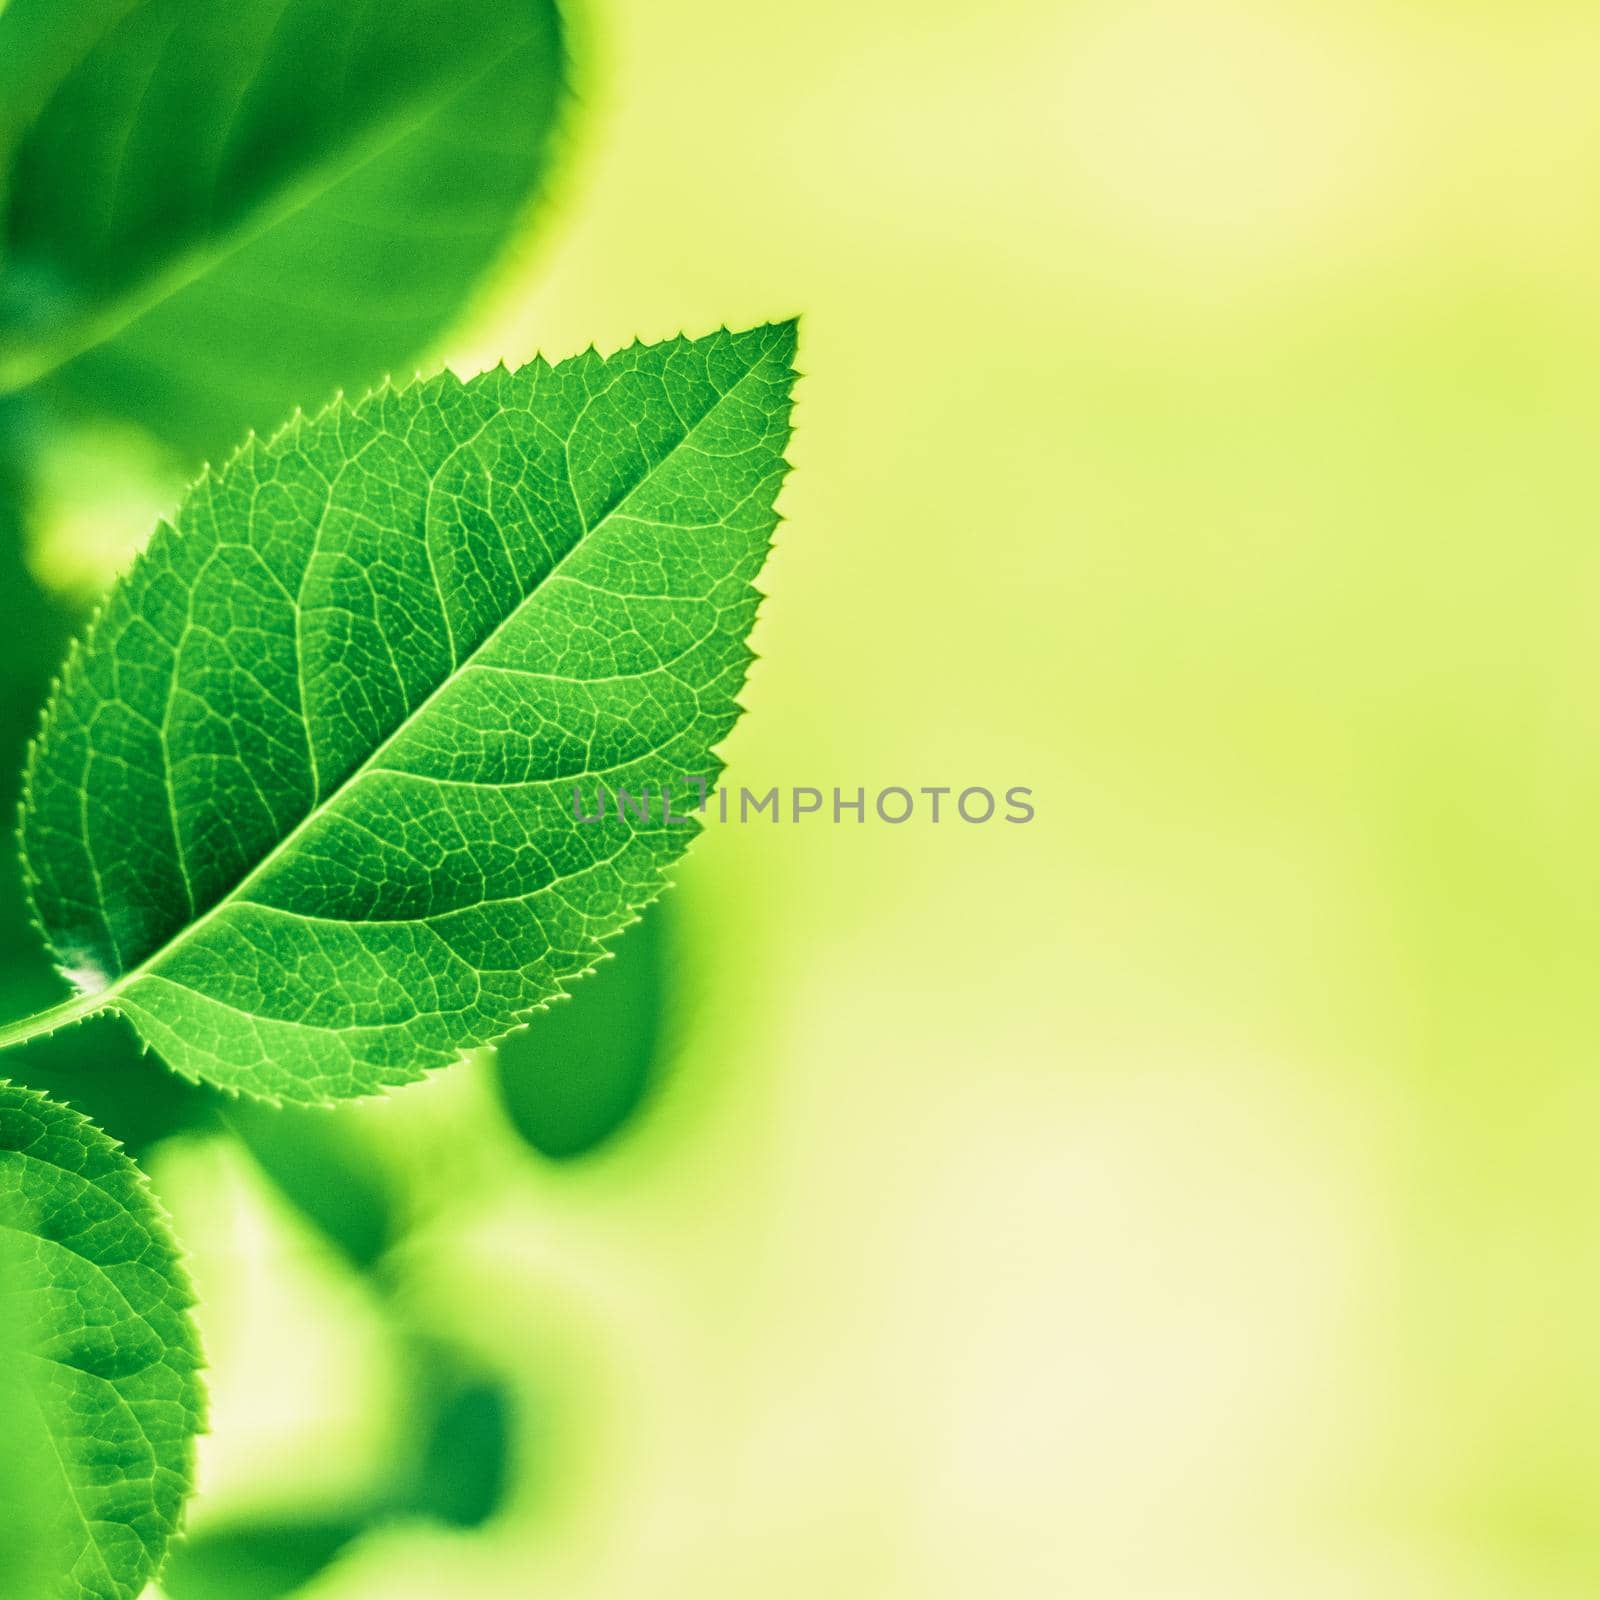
<point>106,1364</point>
<point>302,805</point>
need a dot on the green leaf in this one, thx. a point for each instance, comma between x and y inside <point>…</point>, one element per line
<point>33,1550</point>
<point>108,1363</point>
<point>101,1071</point>
<point>464,1421</point>
<point>325,1163</point>
<point>264,1560</point>
<point>38,628</point>
<point>468,1424</point>
<point>577,1073</point>
<point>302,806</point>
<point>104,1072</point>
<point>212,211</point>
<point>43,39</point>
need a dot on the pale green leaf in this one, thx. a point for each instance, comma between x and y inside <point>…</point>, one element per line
<point>302,807</point>
<point>101,1389</point>
<point>210,211</point>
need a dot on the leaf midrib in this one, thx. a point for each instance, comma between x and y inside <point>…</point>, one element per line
<point>107,997</point>
<point>296,193</point>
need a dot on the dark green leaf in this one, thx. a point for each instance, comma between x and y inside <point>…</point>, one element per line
<point>259,1560</point>
<point>321,1161</point>
<point>457,1477</point>
<point>43,40</point>
<point>214,211</point>
<point>574,1076</point>
<point>303,804</point>
<point>461,1472</point>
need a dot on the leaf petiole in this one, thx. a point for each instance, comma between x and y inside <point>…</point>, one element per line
<point>76,1009</point>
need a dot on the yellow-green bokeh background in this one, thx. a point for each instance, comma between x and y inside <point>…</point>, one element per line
<point>1192,1193</point>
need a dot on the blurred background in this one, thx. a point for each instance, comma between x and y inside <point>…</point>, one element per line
<point>1188,1194</point>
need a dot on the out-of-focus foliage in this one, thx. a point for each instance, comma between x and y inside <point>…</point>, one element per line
<point>261,1560</point>
<point>578,1073</point>
<point>36,632</point>
<point>460,1425</point>
<point>44,39</point>
<point>213,213</point>
<point>323,1161</point>
<point>95,492</point>
<point>451,1454</point>
<point>96,1307</point>
<point>1191,1193</point>
<point>463,1418</point>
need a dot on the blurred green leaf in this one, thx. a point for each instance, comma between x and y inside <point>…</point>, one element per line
<point>43,39</point>
<point>109,1358</point>
<point>322,1161</point>
<point>458,1478</point>
<point>263,1560</point>
<point>95,491</point>
<point>215,212</point>
<point>464,1462</point>
<point>576,1073</point>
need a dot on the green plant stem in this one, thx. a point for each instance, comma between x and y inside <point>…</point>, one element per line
<point>48,1020</point>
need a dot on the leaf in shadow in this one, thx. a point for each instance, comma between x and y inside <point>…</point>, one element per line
<point>578,1072</point>
<point>44,38</point>
<point>37,631</point>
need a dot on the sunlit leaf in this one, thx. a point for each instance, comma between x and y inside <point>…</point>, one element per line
<point>108,1360</point>
<point>302,809</point>
<point>34,1547</point>
<point>102,1071</point>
